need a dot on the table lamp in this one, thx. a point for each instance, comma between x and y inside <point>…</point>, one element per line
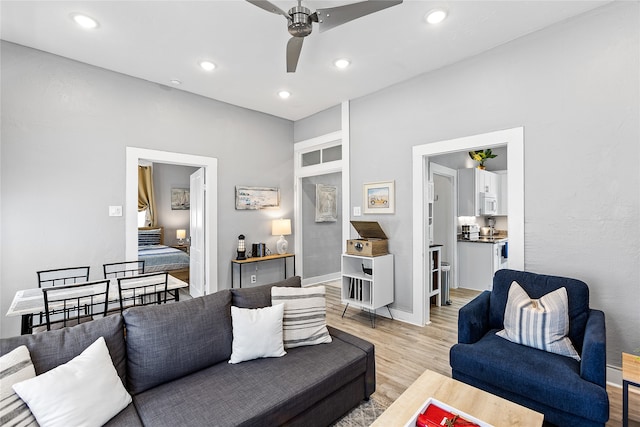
<point>281,227</point>
<point>181,235</point>
<point>242,249</point>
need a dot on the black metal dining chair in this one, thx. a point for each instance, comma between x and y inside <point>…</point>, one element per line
<point>76,303</point>
<point>62,276</point>
<point>123,269</point>
<point>144,289</point>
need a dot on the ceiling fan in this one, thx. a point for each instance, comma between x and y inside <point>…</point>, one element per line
<point>300,21</point>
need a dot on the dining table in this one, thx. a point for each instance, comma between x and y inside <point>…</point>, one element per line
<point>27,302</point>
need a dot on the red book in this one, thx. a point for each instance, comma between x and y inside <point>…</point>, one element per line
<point>435,416</point>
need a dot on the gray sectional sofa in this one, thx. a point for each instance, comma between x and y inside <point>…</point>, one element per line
<point>173,362</point>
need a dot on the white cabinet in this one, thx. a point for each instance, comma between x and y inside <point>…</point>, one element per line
<point>502,192</point>
<point>478,263</point>
<point>472,182</point>
<point>435,272</point>
<point>361,289</point>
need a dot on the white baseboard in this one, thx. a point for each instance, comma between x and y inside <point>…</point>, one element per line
<point>614,376</point>
<point>310,281</point>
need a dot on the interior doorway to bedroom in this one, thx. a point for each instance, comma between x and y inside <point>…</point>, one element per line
<point>202,213</point>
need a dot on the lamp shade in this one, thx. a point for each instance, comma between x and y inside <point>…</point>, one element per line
<point>181,234</point>
<point>281,227</point>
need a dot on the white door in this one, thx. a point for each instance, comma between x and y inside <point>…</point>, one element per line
<point>197,247</point>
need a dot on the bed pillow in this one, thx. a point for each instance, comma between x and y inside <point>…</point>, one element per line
<point>15,366</point>
<point>541,323</point>
<point>257,333</point>
<point>85,391</point>
<point>149,237</point>
<point>305,315</point>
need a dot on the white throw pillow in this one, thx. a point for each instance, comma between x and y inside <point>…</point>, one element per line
<point>305,315</point>
<point>86,391</point>
<point>15,366</point>
<point>256,333</point>
<point>541,323</point>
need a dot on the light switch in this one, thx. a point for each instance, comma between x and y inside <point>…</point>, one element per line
<point>357,211</point>
<point>115,210</point>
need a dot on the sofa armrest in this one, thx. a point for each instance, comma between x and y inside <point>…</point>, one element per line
<point>473,319</point>
<point>593,365</point>
<point>368,348</point>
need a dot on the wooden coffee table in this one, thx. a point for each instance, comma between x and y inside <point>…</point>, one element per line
<point>480,404</point>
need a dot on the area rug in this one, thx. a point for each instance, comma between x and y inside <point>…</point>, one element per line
<point>364,414</point>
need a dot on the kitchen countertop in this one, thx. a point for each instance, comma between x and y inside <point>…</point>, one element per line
<point>485,239</point>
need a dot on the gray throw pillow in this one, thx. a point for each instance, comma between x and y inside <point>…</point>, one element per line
<point>260,296</point>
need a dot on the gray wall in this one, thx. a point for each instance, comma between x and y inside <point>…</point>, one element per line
<point>65,126</point>
<point>322,242</point>
<point>322,123</point>
<point>575,89</point>
<point>461,160</point>
<point>166,177</point>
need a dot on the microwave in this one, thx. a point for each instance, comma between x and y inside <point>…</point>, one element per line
<point>488,204</point>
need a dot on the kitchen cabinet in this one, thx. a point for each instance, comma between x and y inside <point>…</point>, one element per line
<point>478,263</point>
<point>502,192</point>
<point>472,182</point>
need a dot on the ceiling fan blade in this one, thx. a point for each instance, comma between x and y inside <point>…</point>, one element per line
<point>269,7</point>
<point>294,47</point>
<point>334,16</point>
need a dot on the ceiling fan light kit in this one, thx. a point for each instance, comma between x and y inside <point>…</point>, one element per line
<point>300,21</point>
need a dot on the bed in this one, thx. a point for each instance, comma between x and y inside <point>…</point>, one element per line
<point>159,257</point>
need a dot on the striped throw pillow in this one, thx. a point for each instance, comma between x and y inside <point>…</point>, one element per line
<point>15,367</point>
<point>541,323</point>
<point>305,315</point>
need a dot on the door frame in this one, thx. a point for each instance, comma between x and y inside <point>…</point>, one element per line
<point>210,165</point>
<point>514,140</point>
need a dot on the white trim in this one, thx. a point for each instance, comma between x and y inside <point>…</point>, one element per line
<point>321,279</point>
<point>346,174</point>
<point>514,140</point>
<point>210,164</point>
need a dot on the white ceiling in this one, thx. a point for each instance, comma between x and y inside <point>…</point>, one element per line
<point>163,40</point>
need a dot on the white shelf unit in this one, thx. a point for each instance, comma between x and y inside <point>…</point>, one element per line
<point>435,270</point>
<point>368,291</point>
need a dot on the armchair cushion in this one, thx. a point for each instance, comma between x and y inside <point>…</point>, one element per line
<point>540,323</point>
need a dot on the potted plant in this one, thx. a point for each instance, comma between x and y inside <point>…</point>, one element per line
<point>482,156</point>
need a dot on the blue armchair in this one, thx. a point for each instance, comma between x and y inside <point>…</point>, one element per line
<point>568,392</point>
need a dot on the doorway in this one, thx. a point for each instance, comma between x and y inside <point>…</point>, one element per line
<point>513,139</point>
<point>444,212</point>
<point>209,166</point>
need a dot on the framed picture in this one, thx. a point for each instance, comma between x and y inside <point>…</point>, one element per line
<point>257,197</point>
<point>326,203</point>
<point>379,197</point>
<point>180,199</point>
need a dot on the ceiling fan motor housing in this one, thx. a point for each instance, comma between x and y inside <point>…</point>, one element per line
<point>299,21</point>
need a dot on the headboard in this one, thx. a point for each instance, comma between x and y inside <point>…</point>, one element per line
<point>150,236</point>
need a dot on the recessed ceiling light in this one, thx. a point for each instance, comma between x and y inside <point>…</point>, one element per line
<point>175,82</point>
<point>84,21</point>
<point>207,65</point>
<point>436,16</point>
<point>284,94</point>
<point>342,63</point>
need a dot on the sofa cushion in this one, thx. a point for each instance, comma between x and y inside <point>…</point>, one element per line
<point>258,392</point>
<point>168,341</point>
<point>52,348</point>
<point>540,323</point>
<point>548,378</point>
<point>260,296</point>
<point>537,285</point>
<point>257,332</point>
<point>305,315</point>
<point>86,391</point>
<point>15,366</point>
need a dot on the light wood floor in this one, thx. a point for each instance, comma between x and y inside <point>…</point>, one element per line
<point>404,351</point>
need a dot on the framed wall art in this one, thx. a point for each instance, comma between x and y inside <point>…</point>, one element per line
<point>180,199</point>
<point>326,203</point>
<point>257,197</point>
<point>379,197</point>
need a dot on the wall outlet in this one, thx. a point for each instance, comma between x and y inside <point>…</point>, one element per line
<point>115,210</point>
<point>254,278</point>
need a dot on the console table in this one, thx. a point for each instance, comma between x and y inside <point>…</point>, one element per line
<point>630,376</point>
<point>241,262</point>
